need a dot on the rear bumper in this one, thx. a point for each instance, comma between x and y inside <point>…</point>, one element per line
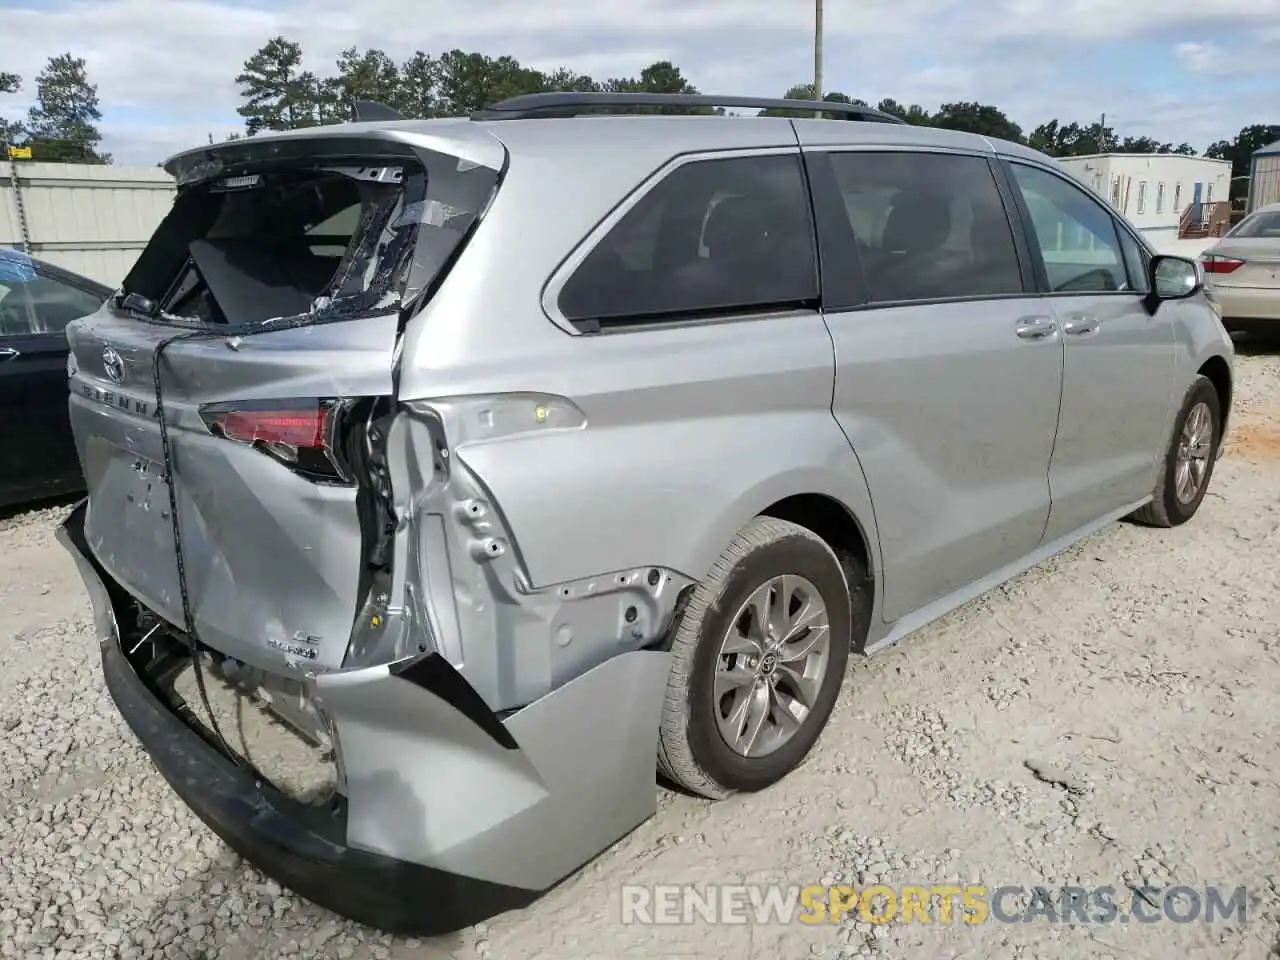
<point>441,799</point>
<point>1244,303</point>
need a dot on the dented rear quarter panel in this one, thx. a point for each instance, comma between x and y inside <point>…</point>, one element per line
<point>685,440</point>
<point>690,430</point>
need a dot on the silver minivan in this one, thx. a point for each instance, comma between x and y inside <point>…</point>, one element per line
<point>481,459</point>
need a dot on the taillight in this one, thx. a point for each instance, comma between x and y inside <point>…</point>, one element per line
<point>303,429</point>
<point>299,433</point>
<point>1215,264</point>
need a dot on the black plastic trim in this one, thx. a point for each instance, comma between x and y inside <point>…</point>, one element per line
<point>301,846</point>
<point>843,279</point>
<point>1023,223</point>
<point>1010,197</point>
<point>437,676</point>
<point>363,111</point>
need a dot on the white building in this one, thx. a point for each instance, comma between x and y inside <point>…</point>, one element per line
<point>1153,190</point>
<point>1264,177</point>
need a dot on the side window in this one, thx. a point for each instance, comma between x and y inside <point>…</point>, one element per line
<point>1075,234</point>
<point>1136,261</point>
<point>714,236</point>
<point>928,226</point>
<point>32,303</point>
<point>16,315</point>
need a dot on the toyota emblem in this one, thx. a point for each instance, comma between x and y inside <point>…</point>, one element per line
<point>113,365</point>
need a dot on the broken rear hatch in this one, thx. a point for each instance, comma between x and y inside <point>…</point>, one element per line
<point>243,370</point>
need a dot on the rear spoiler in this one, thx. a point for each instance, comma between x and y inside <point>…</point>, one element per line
<point>368,140</point>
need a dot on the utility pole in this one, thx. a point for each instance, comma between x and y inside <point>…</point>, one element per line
<point>1102,134</point>
<point>817,53</point>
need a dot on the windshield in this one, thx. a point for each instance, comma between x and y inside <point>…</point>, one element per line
<point>1258,225</point>
<point>301,242</point>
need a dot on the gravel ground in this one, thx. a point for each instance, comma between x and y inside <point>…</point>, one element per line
<point>1104,719</point>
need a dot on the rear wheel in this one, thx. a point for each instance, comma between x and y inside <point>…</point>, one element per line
<point>1188,463</point>
<point>758,656</point>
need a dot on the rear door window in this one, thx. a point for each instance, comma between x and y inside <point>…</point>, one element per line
<point>928,226</point>
<point>714,237</point>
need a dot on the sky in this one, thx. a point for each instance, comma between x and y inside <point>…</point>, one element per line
<point>1177,70</point>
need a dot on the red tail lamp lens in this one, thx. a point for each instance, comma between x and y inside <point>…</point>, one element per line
<point>304,429</point>
<point>1221,264</point>
<point>295,433</point>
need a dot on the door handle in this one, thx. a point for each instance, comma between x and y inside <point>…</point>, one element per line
<point>1079,324</point>
<point>1036,328</point>
<point>8,353</point>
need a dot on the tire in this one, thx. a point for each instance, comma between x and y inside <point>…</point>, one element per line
<point>692,751</point>
<point>1167,508</point>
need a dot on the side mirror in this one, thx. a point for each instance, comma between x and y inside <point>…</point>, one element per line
<point>1175,278</point>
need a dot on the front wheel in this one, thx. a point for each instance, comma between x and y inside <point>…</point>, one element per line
<point>758,657</point>
<point>1189,460</point>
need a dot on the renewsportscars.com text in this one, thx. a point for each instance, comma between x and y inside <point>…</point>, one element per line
<point>937,903</point>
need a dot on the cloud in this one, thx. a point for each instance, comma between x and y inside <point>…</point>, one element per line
<point>166,68</point>
<point>1256,57</point>
<point>1106,20</point>
<point>1200,57</point>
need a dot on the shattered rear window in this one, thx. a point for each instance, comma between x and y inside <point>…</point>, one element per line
<point>296,245</point>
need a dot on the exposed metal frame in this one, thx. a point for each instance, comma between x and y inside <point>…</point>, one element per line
<point>543,105</point>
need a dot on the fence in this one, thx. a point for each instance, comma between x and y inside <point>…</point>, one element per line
<point>93,220</point>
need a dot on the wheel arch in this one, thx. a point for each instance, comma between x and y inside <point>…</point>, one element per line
<point>838,526</point>
<point>1218,371</point>
<point>834,505</point>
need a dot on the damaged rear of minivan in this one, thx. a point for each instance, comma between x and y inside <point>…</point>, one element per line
<point>231,406</point>
<point>250,356</point>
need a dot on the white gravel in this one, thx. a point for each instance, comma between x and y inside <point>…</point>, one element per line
<point>1108,718</point>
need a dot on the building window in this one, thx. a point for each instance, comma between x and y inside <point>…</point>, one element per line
<point>1115,191</point>
<point>1142,196</point>
<point>1208,193</point>
<point>1159,198</point>
<point>1177,199</point>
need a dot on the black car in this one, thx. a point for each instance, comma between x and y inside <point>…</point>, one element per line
<point>37,300</point>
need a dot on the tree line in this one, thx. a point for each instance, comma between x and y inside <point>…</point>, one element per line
<point>62,125</point>
<point>278,94</point>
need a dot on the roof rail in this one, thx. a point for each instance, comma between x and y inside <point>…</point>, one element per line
<point>534,105</point>
<point>363,111</point>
